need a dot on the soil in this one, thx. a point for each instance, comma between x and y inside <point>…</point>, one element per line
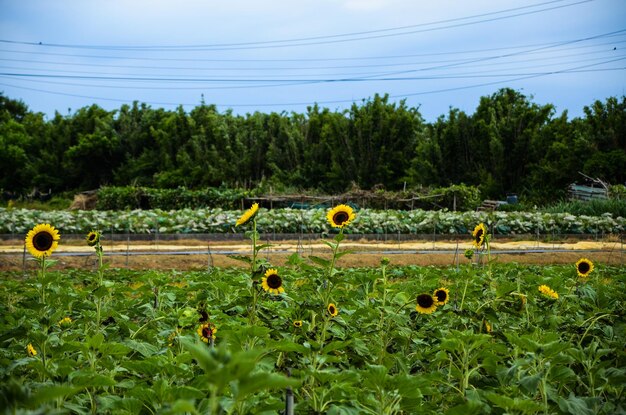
<point>200,255</point>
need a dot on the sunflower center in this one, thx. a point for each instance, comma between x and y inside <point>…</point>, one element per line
<point>441,295</point>
<point>340,218</point>
<point>274,281</point>
<point>583,267</point>
<point>425,301</point>
<point>479,235</point>
<point>43,241</point>
<point>332,309</point>
<point>92,237</point>
<point>207,332</point>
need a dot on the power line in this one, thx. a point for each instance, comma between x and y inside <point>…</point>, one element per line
<point>580,69</point>
<point>316,40</point>
<point>275,68</point>
<point>252,80</point>
<point>456,52</point>
<point>373,76</point>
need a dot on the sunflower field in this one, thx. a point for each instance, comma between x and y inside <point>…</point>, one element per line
<point>312,337</point>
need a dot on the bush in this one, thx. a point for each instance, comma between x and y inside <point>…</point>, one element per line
<point>616,207</point>
<point>467,197</point>
<point>121,198</point>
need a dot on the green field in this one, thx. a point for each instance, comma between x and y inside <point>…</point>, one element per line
<point>497,346</point>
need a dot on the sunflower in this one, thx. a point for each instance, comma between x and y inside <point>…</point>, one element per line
<point>65,321</point>
<point>488,327</point>
<point>340,216</point>
<point>548,292</point>
<point>441,296</point>
<point>173,337</point>
<point>93,238</point>
<point>479,235</point>
<point>426,303</point>
<point>31,350</point>
<point>248,215</point>
<point>584,267</point>
<point>42,240</point>
<point>297,324</point>
<point>332,310</point>
<point>272,282</point>
<point>206,332</point>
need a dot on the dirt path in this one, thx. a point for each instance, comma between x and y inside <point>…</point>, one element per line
<point>189,254</point>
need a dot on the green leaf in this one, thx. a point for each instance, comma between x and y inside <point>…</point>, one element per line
<point>145,349</point>
<point>562,374</point>
<point>95,341</point>
<point>514,404</point>
<point>251,384</point>
<point>93,380</point>
<point>467,408</point>
<point>330,245</point>
<point>346,252</point>
<point>53,392</point>
<point>335,345</point>
<point>320,261</point>
<point>182,406</point>
<point>574,405</point>
<point>241,258</point>
<point>530,383</point>
<point>262,246</point>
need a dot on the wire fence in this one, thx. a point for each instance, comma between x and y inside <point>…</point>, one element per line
<point>129,245</point>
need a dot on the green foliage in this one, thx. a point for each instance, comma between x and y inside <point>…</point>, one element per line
<point>509,145</point>
<point>617,191</point>
<point>615,207</point>
<point>311,221</point>
<point>377,356</point>
<point>130,197</point>
<point>458,197</point>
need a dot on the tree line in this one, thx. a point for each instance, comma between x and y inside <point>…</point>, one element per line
<point>509,144</point>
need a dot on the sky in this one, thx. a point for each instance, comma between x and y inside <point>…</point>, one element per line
<point>275,56</point>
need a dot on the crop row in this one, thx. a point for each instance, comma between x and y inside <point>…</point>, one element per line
<point>368,221</point>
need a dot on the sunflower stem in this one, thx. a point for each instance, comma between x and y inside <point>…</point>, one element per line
<point>254,250</point>
<point>42,277</point>
<point>464,291</point>
<point>252,271</point>
<point>382,310</point>
<point>488,248</point>
<point>329,286</point>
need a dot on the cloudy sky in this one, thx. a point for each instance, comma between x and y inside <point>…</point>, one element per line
<point>250,55</point>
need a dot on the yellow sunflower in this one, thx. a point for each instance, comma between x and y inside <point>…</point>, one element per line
<point>65,321</point>
<point>488,327</point>
<point>548,292</point>
<point>206,332</point>
<point>584,267</point>
<point>248,215</point>
<point>441,296</point>
<point>42,240</point>
<point>332,310</point>
<point>272,282</point>
<point>31,350</point>
<point>340,216</point>
<point>479,235</point>
<point>426,303</point>
<point>93,238</point>
<point>297,323</point>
